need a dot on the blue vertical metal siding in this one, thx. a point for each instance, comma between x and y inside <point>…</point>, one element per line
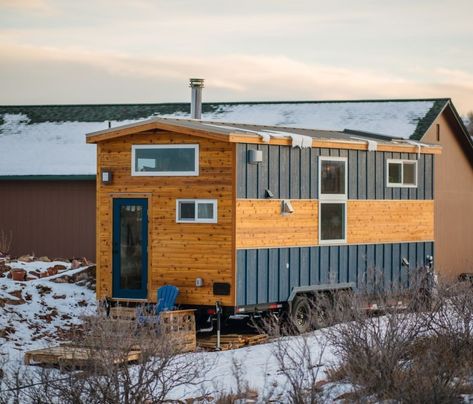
<point>293,173</point>
<point>268,275</point>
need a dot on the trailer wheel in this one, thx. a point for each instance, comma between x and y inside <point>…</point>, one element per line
<point>301,316</point>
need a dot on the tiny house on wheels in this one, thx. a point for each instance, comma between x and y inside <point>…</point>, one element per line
<point>252,217</point>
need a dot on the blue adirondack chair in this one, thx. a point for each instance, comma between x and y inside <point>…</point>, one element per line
<point>167,296</point>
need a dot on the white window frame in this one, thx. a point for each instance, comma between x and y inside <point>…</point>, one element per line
<point>401,185</point>
<point>335,241</point>
<point>196,219</point>
<point>341,197</point>
<point>332,198</point>
<point>164,173</point>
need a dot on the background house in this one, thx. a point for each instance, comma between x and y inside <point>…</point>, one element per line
<point>47,156</point>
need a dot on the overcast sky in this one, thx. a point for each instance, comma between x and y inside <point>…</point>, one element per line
<point>104,51</point>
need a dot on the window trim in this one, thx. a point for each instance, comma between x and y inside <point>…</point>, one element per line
<point>333,241</point>
<point>214,202</point>
<point>341,197</point>
<point>135,173</point>
<point>402,162</point>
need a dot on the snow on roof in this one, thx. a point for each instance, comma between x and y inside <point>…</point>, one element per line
<point>35,147</point>
<point>49,148</point>
<point>397,119</point>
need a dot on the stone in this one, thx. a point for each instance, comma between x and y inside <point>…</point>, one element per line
<point>75,264</point>
<point>25,258</point>
<point>18,274</point>
<point>44,259</point>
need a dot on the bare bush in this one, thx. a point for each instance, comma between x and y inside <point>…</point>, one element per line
<point>105,375</point>
<point>299,361</point>
<point>5,242</point>
<point>414,356</point>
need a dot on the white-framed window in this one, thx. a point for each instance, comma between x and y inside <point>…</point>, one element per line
<point>196,211</point>
<point>165,160</point>
<point>333,193</point>
<point>401,173</point>
<point>333,177</point>
<point>332,222</point>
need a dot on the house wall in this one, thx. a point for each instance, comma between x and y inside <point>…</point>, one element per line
<point>178,253</point>
<point>384,225</point>
<point>453,199</point>
<point>53,218</point>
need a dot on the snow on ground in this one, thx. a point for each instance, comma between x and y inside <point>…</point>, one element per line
<point>34,313</point>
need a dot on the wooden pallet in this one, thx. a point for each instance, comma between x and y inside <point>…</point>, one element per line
<point>70,356</point>
<point>231,341</point>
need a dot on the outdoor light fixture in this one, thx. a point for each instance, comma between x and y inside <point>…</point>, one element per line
<point>255,156</point>
<point>405,262</point>
<point>286,207</point>
<point>199,282</point>
<point>106,176</point>
<point>268,194</point>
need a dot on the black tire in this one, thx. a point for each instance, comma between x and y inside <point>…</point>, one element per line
<point>301,315</point>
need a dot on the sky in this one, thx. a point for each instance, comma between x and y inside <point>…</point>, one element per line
<point>144,51</point>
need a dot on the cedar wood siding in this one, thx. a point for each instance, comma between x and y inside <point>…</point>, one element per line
<point>453,199</point>
<point>178,253</point>
<point>276,253</point>
<point>53,218</point>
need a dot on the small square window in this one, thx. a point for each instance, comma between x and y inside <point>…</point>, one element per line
<point>196,211</point>
<point>402,173</point>
<point>332,222</point>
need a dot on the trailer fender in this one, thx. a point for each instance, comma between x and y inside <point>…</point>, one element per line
<point>328,287</point>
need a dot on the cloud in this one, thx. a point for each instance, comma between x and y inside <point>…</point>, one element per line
<point>42,6</point>
<point>74,75</point>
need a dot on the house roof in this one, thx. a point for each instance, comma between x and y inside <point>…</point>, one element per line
<point>265,134</point>
<point>48,140</point>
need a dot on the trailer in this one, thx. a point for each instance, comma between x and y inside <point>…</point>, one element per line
<point>248,219</point>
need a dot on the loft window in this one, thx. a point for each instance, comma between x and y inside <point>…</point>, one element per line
<point>402,173</point>
<point>196,211</point>
<point>165,160</point>
<point>333,174</point>
<point>333,177</point>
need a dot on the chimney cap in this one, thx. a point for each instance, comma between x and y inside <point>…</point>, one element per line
<point>194,82</point>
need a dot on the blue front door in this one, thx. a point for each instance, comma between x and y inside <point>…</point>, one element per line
<point>130,248</point>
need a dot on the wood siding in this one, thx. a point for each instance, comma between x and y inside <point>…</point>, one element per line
<point>178,252</point>
<point>389,221</point>
<point>453,199</point>
<point>259,223</point>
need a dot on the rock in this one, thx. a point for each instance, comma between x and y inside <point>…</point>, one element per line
<point>75,264</point>
<point>44,259</point>
<point>18,274</point>
<point>31,278</point>
<point>52,271</point>
<point>17,293</point>
<point>61,259</point>
<point>42,289</point>
<point>85,261</point>
<point>43,274</point>
<point>61,279</point>
<point>26,258</point>
<point>59,296</point>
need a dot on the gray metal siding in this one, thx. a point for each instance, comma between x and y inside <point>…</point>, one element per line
<point>293,173</point>
<point>268,275</point>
